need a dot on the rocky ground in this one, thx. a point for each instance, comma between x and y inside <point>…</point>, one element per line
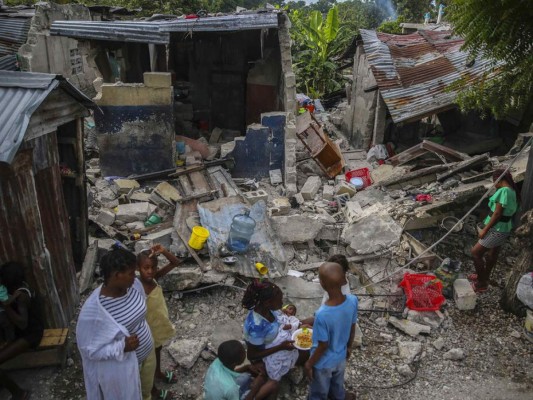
<point>495,363</point>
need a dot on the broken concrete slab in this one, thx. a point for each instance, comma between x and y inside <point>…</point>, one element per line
<point>185,352</point>
<point>306,296</point>
<point>409,351</point>
<point>372,234</point>
<point>411,328</point>
<point>140,197</point>
<point>162,237</point>
<point>181,278</point>
<point>126,185</point>
<point>106,217</point>
<point>353,211</point>
<point>311,187</point>
<point>344,187</point>
<point>280,206</point>
<point>328,191</point>
<point>167,192</point>
<point>212,276</point>
<point>134,212</point>
<point>296,228</point>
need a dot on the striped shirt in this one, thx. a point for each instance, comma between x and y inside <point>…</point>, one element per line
<point>130,311</point>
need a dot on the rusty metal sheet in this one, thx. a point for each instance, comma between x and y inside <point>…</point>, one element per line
<point>414,72</point>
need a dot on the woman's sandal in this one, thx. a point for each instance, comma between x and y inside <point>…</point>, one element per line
<point>170,377</point>
<point>165,395</point>
<point>479,289</point>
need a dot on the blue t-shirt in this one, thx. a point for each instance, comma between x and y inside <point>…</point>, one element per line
<point>333,325</point>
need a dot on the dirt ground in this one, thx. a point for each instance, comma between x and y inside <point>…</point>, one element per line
<point>497,363</point>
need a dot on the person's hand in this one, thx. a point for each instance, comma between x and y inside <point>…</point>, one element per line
<point>256,369</point>
<point>287,327</point>
<point>482,234</point>
<point>287,345</point>
<point>157,249</point>
<point>306,326</point>
<point>131,343</point>
<point>308,369</point>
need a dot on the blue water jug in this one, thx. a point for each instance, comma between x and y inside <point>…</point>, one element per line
<point>241,231</point>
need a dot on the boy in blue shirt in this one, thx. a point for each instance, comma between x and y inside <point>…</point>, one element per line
<point>333,335</point>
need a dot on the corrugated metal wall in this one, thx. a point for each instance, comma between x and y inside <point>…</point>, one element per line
<point>35,228</point>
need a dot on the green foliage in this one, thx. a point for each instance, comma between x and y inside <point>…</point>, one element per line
<point>412,10</point>
<point>391,27</point>
<point>316,43</point>
<point>501,31</point>
<point>356,14</point>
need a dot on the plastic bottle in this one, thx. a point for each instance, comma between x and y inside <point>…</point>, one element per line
<point>241,231</point>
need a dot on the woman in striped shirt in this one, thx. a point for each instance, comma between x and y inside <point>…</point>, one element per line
<point>112,333</point>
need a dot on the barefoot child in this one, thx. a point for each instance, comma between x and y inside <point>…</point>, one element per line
<point>157,314</point>
<point>333,334</point>
<point>224,380</point>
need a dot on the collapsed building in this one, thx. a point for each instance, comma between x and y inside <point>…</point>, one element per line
<point>404,90</point>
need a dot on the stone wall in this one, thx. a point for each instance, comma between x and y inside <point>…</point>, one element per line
<point>58,54</point>
<point>135,130</point>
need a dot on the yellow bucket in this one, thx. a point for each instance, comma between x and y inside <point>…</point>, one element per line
<point>261,268</point>
<point>198,237</point>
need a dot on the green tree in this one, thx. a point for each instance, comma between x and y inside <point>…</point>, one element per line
<point>356,14</point>
<point>501,31</point>
<point>317,41</point>
<point>412,10</point>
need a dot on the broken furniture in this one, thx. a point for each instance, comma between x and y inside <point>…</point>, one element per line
<point>323,150</point>
<point>51,351</point>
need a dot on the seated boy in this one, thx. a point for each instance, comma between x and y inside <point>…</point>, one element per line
<point>224,381</point>
<point>333,334</point>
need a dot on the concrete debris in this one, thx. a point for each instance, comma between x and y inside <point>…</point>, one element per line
<point>182,278</point>
<point>372,234</point>
<point>464,295</point>
<point>454,354</point>
<point>409,351</point>
<point>126,185</point>
<point>311,187</point>
<point>405,371</point>
<point>280,206</point>
<point>167,192</point>
<point>106,217</point>
<point>411,328</point>
<point>185,352</point>
<point>134,212</point>
<point>438,343</point>
<point>296,228</point>
<point>276,177</point>
<point>255,196</point>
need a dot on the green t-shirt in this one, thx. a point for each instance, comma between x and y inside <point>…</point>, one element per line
<point>507,198</point>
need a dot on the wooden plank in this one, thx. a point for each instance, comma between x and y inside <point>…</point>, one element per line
<point>463,165</point>
<point>477,177</point>
<point>424,147</point>
<point>192,252</point>
<point>89,265</point>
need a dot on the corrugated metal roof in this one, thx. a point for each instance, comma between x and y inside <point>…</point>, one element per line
<point>158,32</point>
<point>20,95</point>
<point>13,33</point>
<point>414,72</point>
<point>8,63</point>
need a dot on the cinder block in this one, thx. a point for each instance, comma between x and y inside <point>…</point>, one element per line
<point>345,187</point>
<point>311,187</point>
<point>167,192</point>
<point>255,196</point>
<point>281,206</point>
<point>352,211</point>
<point>290,79</point>
<point>125,185</point>
<point>157,79</point>
<point>464,295</point>
<point>106,217</point>
<point>276,177</point>
<point>328,192</point>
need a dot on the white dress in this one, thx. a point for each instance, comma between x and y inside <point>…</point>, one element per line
<point>108,371</point>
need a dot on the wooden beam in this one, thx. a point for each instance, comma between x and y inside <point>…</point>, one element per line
<point>463,165</point>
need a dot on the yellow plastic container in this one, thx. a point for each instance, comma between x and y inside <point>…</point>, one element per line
<point>198,237</point>
<point>261,268</point>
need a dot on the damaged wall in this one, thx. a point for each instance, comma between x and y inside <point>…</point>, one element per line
<point>135,130</point>
<point>56,54</point>
<point>360,118</point>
